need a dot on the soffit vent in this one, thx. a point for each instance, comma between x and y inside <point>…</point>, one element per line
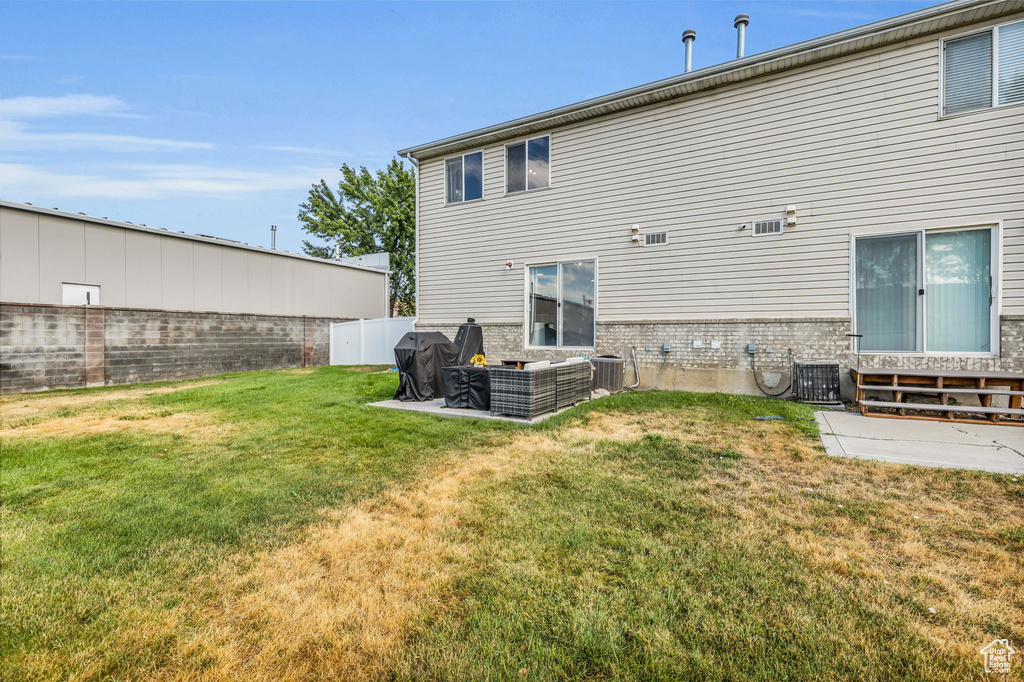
<point>764,228</point>
<point>655,238</point>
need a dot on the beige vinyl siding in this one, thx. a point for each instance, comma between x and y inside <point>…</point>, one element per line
<point>856,144</point>
<point>137,269</point>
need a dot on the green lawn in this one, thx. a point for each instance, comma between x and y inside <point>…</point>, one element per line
<point>271,526</point>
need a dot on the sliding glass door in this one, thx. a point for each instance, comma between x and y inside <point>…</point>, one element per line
<point>928,291</point>
<point>887,277</point>
<point>562,304</point>
<point>958,290</point>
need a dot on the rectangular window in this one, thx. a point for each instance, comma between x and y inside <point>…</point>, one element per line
<point>930,291</point>
<point>464,178</point>
<point>527,165</point>
<point>984,70</point>
<point>562,304</point>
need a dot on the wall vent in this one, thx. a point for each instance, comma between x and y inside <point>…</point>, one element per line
<point>655,238</point>
<point>763,228</point>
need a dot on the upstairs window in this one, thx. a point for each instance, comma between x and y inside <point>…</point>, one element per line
<point>527,165</point>
<point>464,178</point>
<point>984,70</point>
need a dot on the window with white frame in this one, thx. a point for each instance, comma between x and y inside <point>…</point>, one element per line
<point>562,301</point>
<point>464,178</point>
<point>527,165</point>
<point>929,291</point>
<point>984,70</point>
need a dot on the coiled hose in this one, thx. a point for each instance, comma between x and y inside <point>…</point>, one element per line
<point>792,375</point>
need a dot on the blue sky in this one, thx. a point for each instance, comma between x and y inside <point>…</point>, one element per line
<point>216,117</point>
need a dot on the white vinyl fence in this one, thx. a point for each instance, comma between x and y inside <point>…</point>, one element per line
<point>368,342</point>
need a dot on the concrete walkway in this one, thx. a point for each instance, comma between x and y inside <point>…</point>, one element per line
<point>936,444</point>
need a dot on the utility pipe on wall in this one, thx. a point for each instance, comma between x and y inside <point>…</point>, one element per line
<point>740,23</point>
<point>689,36</point>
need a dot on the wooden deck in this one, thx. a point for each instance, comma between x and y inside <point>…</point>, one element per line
<point>942,384</point>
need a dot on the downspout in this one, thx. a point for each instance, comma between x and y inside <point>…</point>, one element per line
<point>416,263</point>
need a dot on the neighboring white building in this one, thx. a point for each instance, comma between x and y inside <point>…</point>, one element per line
<point>57,257</point>
<point>88,301</point>
<point>870,182</point>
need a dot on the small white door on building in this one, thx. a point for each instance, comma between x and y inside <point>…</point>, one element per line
<point>80,294</point>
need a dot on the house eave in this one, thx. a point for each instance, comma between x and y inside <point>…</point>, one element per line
<point>929,20</point>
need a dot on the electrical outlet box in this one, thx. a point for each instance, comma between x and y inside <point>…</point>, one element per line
<point>751,348</point>
<point>697,343</point>
<point>715,345</point>
<point>666,347</point>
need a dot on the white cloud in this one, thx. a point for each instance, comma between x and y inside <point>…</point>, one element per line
<point>311,151</point>
<point>20,182</point>
<point>16,134</point>
<point>12,57</point>
<point>67,105</point>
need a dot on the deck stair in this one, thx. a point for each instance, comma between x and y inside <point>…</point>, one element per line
<point>943,384</point>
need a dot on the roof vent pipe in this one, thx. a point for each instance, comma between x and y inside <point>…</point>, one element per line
<point>689,35</point>
<point>740,22</point>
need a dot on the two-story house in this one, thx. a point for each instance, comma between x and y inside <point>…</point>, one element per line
<point>869,182</point>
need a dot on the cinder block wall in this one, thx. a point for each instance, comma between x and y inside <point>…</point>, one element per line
<point>50,346</point>
<point>727,368</point>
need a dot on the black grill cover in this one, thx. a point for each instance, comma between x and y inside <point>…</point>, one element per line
<point>467,387</point>
<point>420,356</point>
<point>470,341</point>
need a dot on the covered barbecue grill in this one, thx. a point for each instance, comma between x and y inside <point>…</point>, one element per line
<point>420,357</point>
<point>470,341</point>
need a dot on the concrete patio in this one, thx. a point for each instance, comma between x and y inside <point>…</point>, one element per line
<point>982,447</point>
<point>437,408</point>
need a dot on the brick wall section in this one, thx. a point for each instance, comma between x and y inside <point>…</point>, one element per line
<point>728,367</point>
<point>44,347</point>
<point>41,346</point>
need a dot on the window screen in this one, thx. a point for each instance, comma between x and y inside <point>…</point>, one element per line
<point>453,170</point>
<point>515,171</point>
<point>968,73</point>
<point>1011,63</point>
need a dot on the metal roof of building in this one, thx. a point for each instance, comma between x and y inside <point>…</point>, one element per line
<point>887,31</point>
<point>180,235</point>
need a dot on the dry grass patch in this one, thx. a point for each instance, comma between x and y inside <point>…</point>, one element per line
<point>339,602</point>
<point>197,427</point>
<point>934,538</point>
<point>69,415</point>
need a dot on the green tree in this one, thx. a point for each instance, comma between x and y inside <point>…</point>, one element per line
<point>368,213</point>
